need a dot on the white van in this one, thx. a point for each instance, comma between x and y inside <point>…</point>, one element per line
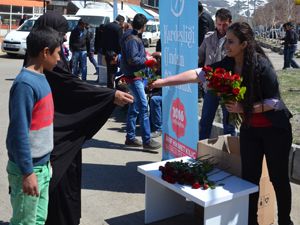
<point>14,42</point>
<point>95,16</point>
<point>151,34</point>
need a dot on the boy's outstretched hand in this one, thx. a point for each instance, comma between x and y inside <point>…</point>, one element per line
<point>30,185</point>
<point>122,98</point>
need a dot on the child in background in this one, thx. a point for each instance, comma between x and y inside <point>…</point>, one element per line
<point>30,133</point>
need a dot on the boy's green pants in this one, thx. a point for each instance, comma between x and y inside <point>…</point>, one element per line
<point>28,210</point>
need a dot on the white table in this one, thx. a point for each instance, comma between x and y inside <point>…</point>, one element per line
<point>224,205</point>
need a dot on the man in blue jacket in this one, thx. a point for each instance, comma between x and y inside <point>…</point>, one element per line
<point>133,60</point>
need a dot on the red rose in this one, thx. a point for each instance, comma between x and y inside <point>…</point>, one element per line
<point>220,70</point>
<point>205,186</point>
<point>161,168</point>
<point>235,91</point>
<point>196,185</point>
<point>236,77</point>
<point>150,63</point>
<point>207,69</point>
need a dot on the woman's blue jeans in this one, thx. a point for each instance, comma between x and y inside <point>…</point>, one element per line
<point>209,108</point>
<point>138,107</point>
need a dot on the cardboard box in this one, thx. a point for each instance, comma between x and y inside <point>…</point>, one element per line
<point>226,152</point>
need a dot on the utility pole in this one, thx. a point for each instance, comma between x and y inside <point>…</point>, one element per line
<point>115,9</point>
<point>44,6</point>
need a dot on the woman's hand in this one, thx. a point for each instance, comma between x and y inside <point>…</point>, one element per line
<point>156,84</point>
<point>234,107</point>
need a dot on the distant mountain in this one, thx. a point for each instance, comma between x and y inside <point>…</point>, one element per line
<point>237,7</point>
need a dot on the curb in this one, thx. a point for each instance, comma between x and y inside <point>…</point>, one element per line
<point>269,46</point>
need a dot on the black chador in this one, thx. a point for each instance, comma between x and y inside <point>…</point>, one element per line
<point>81,109</point>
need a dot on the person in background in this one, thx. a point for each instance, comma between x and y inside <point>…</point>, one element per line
<point>158,46</point>
<point>155,101</point>
<point>205,23</point>
<point>29,139</point>
<point>211,51</point>
<point>79,39</point>
<point>290,46</point>
<point>127,26</point>
<point>266,129</point>
<point>111,38</point>
<point>91,47</point>
<point>133,60</point>
<point>22,20</point>
<point>99,44</point>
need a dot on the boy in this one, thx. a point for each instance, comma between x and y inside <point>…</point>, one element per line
<point>30,133</point>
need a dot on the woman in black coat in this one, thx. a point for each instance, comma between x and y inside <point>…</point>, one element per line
<point>265,128</point>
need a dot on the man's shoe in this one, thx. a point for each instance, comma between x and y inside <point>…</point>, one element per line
<point>152,145</point>
<point>156,134</point>
<point>134,143</point>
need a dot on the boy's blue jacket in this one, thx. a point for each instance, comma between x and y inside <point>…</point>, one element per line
<point>133,53</point>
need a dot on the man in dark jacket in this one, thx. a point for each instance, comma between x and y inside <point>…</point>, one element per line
<point>79,39</point>
<point>112,34</point>
<point>205,23</point>
<point>290,46</point>
<point>133,60</point>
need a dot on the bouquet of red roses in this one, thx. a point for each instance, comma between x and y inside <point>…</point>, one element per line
<point>227,86</point>
<point>194,173</point>
<point>150,71</point>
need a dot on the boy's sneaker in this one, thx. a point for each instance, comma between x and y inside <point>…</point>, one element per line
<point>134,143</point>
<point>152,145</point>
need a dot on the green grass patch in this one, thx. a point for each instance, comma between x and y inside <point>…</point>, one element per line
<point>289,81</point>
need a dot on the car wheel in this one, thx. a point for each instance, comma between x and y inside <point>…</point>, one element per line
<point>149,42</point>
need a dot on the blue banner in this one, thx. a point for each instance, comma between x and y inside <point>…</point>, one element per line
<point>179,39</point>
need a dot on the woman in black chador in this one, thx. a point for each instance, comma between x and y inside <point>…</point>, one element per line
<point>81,109</point>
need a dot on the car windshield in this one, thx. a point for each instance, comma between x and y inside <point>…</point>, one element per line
<point>72,24</point>
<point>95,21</point>
<point>150,28</point>
<point>27,25</point>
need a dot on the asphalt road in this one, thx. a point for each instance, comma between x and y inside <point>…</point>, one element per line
<point>112,189</point>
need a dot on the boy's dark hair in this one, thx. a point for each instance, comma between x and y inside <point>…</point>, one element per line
<point>120,18</point>
<point>40,38</point>
<point>224,14</point>
<point>139,21</point>
<point>110,55</point>
<point>200,7</point>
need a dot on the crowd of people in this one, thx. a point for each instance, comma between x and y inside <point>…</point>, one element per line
<point>48,129</point>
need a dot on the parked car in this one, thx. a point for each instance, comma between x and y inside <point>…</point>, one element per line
<point>14,42</point>
<point>151,34</point>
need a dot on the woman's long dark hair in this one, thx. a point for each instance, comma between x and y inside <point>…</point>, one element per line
<point>250,73</point>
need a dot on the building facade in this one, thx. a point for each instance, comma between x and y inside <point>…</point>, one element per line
<point>12,11</point>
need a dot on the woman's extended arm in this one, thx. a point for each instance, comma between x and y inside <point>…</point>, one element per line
<point>190,76</point>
